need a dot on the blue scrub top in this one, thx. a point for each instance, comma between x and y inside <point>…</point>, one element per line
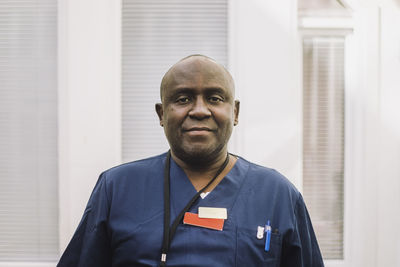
<point>123,221</point>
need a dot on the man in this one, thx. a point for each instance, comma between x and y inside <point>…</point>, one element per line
<point>221,209</point>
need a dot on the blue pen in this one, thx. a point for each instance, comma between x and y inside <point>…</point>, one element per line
<point>268,236</point>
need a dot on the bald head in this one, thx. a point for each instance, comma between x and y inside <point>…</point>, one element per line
<point>195,65</point>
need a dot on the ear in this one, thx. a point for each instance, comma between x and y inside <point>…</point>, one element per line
<point>236,112</point>
<point>160,113</point>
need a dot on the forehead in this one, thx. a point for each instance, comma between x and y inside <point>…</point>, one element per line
<point>197,73</point>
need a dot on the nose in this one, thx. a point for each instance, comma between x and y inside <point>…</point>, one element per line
<point>200,109</point>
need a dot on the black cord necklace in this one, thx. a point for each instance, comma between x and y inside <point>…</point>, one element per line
<point>170,231</point>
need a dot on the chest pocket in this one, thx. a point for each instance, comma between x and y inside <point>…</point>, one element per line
<point>251,251</point>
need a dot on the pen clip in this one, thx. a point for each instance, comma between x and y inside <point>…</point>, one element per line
<point>260,232</point>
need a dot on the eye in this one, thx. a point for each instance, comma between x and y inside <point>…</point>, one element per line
<point>215,99</point>
<point>183,99</point>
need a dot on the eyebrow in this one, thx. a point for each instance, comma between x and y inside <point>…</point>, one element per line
<point>188,90</point>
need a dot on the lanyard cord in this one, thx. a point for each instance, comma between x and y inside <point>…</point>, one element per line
<point>169,233</point>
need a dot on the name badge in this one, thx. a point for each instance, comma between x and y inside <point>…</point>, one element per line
<point>213,213</point>
<point>193,219</point>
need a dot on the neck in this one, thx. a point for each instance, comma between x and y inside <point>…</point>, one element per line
<point>199,175</point>
<point>201,167</point>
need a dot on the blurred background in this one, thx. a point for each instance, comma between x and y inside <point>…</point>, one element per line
<point>318,81</point>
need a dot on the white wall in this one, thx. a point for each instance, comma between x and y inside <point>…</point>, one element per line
<point>361,135</point>
<point>373,136</point>
<point>89,102</point>
<point>264,62</point>
<point>388,217</point>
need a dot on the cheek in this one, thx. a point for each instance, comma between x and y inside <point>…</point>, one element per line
<point>224,118</point>
<point>174,117</point>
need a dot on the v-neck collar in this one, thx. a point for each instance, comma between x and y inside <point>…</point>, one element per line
<point>223,195</point>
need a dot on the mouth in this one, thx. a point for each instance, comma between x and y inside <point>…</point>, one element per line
<point>198,131</point>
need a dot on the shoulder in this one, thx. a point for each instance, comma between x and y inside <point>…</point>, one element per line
<point>262,178</point>
<point>133,179</point>
<point>137,165</point>
<point>135,169</point>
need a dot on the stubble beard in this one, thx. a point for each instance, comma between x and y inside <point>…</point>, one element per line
<point>198,156</point>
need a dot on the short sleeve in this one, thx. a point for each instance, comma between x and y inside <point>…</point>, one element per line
<point>300,247</point>
<point>90,245</point>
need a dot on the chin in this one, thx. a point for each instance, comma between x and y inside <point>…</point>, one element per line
<point>198,154</point>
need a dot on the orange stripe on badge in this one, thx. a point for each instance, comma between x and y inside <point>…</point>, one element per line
<point>193,219</point>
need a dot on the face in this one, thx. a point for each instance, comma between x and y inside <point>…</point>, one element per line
<point>198,109</point>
